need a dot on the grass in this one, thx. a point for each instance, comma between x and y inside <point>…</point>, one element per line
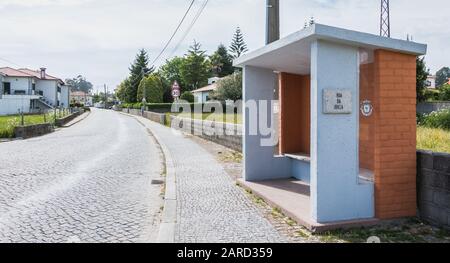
<point>227,118</point>
<point>8,123</point>
<point>436,140</point>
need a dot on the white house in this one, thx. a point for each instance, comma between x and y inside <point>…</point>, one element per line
<point>81,97</point>
<point>431,82</point>
<point>28,91</point>
<point>202,95</point>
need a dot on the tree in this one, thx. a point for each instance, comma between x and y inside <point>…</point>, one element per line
<point>195,69</point>
<point>154,89</point>
<point>422,75</point>
<point>171,71</point>
<point>221,62</point>
<point>123,91</point>
<point>229,88</point>
<point>238,46</point>
<point>138,70</point>
<point>79,84</point>
<point>442,76</point>
<point>188,96</point>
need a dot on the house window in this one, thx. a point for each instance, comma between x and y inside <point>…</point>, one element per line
<point>6,88</point>
<point>20,92</point>
<point>33,86</point>
<point>59,89</point>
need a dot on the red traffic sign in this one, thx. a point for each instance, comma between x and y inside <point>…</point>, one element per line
<point>175,86</point>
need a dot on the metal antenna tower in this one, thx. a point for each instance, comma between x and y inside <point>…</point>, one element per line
<point>385,19</point>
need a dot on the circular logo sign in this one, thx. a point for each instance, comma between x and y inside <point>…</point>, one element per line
<point>367,108</point>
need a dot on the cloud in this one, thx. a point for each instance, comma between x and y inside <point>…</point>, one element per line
<point>36,3</point>
<point>100,38</point>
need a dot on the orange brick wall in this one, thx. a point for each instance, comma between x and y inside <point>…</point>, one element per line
<point>295,113</point>
<point>366,124</point>
<point>395,135</point>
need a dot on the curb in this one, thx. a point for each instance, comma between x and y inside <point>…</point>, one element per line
<point>169,215</point>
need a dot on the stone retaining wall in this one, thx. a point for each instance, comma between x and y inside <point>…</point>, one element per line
<point>226,134</point>
<point>428,107</point>
<point>30,131</point>
<point>63,121</point>
<point>433,185</point>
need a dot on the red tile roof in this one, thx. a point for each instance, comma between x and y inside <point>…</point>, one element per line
<point>10,72</point>
<point>37,74</point>
<point>207,88</point>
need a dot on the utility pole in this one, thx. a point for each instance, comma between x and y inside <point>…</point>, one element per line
<point>385,19</point>
<point>272,21</point>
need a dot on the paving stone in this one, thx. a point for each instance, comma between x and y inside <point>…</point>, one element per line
<point>85,182</point>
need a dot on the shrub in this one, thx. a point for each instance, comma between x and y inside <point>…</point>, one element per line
<point>154,89</point>
<point>445,92</point>
<point>439,119</point>
<point>188,96</point>
<point>229,88</point>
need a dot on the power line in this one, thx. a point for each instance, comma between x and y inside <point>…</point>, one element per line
<point>10,62</point>
<point>197,16</point>
<point>174,33</point>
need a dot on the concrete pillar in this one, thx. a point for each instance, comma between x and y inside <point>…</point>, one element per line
<point>336,194</point>
<point>260,161</point>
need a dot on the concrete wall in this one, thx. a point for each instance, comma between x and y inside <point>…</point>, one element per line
<point>65,93</point>
<point>429,107</point>
<point>260,162</point>
<point>201,97</point>
<point>10,104</point>
<point>218,132</point>
<point>22,84</point>
<point>433,184</point>
<point>336,193</point>
<point>49,89</point>
<point>153,116</point>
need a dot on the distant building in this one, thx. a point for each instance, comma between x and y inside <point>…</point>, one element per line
<point>29,91</point>
<point>81,97</point>
<point>203,95</point>
<point>431,82</point>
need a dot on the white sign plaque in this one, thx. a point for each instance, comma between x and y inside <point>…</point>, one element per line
<point>337,102</point>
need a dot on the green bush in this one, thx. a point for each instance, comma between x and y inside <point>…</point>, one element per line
<point>154,89</point>
<point>445,92</point>
<point>439,120</point>
<point>188,96</point>
<point>167,107</point>
<point>229,88</point>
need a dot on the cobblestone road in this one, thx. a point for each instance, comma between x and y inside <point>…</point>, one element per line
<point>87,183</point>
<point>210,207</point>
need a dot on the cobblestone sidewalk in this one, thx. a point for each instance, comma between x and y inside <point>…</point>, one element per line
<point>210,208</point>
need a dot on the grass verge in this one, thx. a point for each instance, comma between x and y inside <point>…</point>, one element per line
<point>431,139</point>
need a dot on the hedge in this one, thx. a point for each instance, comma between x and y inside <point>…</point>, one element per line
<point>167,107</point>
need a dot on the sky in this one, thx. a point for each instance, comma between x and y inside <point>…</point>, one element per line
<point>100,38</point>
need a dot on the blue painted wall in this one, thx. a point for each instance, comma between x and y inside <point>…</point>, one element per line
<point>336,193</point>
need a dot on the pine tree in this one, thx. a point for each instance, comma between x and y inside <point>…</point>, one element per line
<point>238,46</point>
<point>138,70</point>
<point>195,69</point>
<point>221,62</point>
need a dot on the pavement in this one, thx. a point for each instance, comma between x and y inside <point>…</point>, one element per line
<point>88,183</point>
<point>209,207</point>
